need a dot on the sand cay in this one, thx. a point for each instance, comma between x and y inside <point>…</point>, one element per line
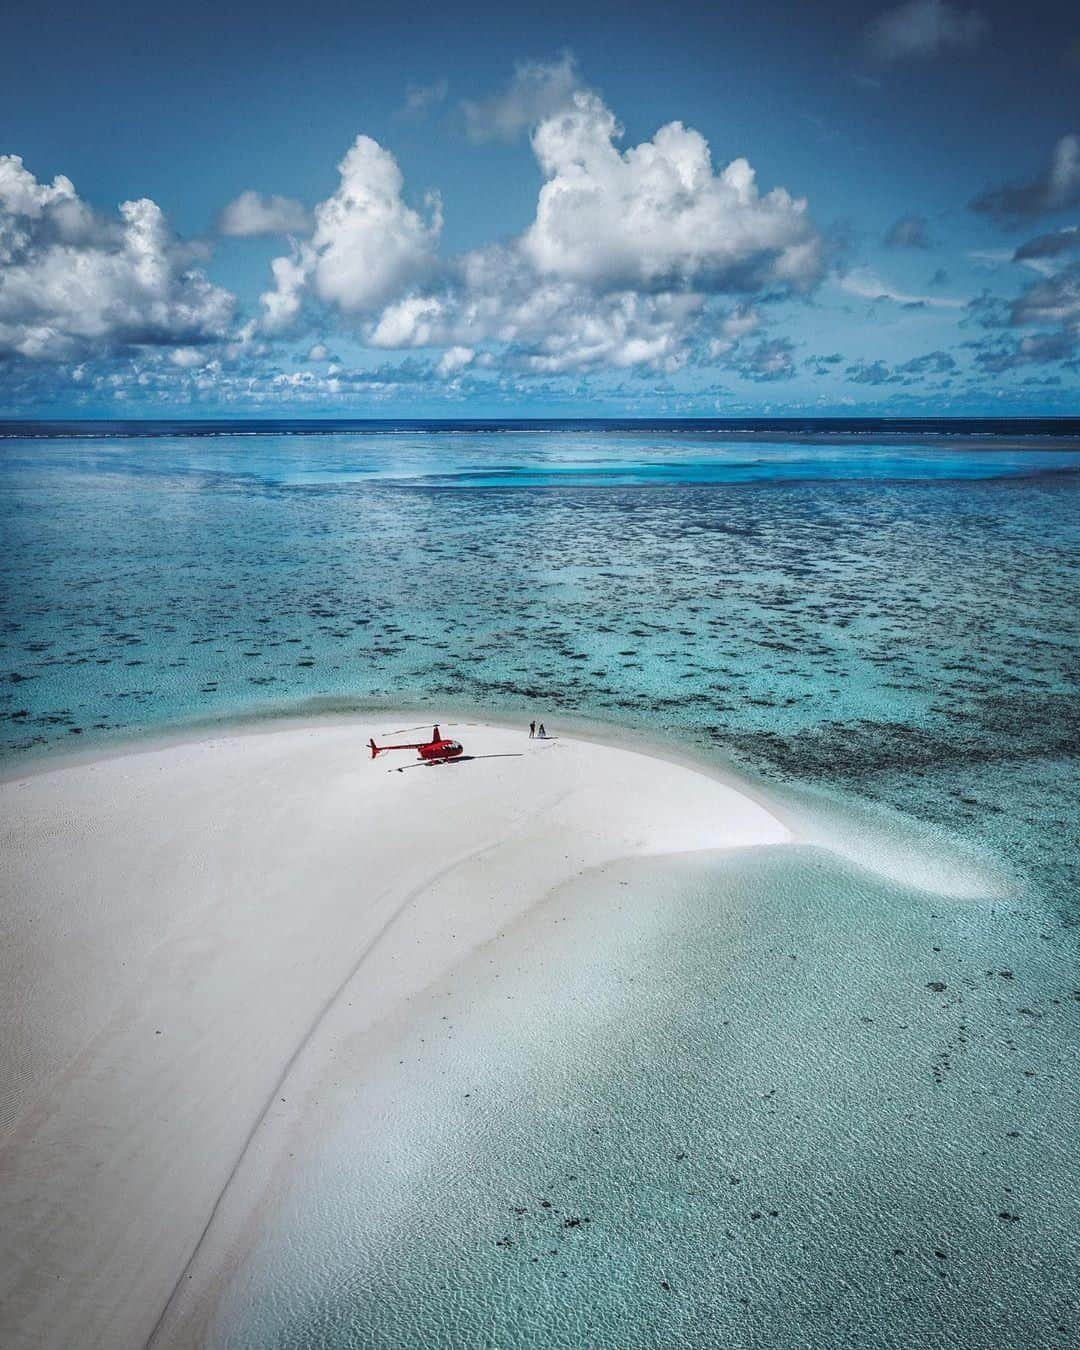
<point>180,920</point>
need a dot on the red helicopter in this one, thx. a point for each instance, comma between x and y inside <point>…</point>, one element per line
<point>438,748</point>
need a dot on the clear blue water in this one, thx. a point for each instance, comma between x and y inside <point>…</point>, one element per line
<point>723,1107</point>
<point>886,620</point>
<point>896,618</point>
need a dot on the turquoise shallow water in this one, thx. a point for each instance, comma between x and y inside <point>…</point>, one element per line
<point>899,619</point>
<point>767,1100</point>
<point>888,623</point>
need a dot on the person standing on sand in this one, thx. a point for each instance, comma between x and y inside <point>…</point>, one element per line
<point>532,730</point>
<point>542,733</point>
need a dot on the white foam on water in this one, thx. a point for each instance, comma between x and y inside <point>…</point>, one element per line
<point>896,847</point>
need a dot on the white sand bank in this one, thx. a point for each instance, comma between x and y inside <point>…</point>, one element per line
<point>176,922</point>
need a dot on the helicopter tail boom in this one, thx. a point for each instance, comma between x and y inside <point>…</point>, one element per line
<point>414,745</point>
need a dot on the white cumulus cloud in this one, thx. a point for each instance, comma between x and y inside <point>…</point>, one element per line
<point>545,326</point>
<point>367,245</point>
<point>455,359</point>
<point>415,321</point>
<point>251,214</point>
<point>618,268</point>
<point>282,305</point>
<point>72,279</point>
<point>189,358</point>
<point>656,216</point>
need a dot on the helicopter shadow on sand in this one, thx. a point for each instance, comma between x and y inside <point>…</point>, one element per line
<point>459,759</point>
<point>466,759</point>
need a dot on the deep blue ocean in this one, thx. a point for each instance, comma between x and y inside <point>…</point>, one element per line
<point>880,615</point>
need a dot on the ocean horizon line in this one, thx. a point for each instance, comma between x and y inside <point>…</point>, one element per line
<point>1053,427</point>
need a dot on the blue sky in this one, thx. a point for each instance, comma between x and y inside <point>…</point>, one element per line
<point>571,209</point>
